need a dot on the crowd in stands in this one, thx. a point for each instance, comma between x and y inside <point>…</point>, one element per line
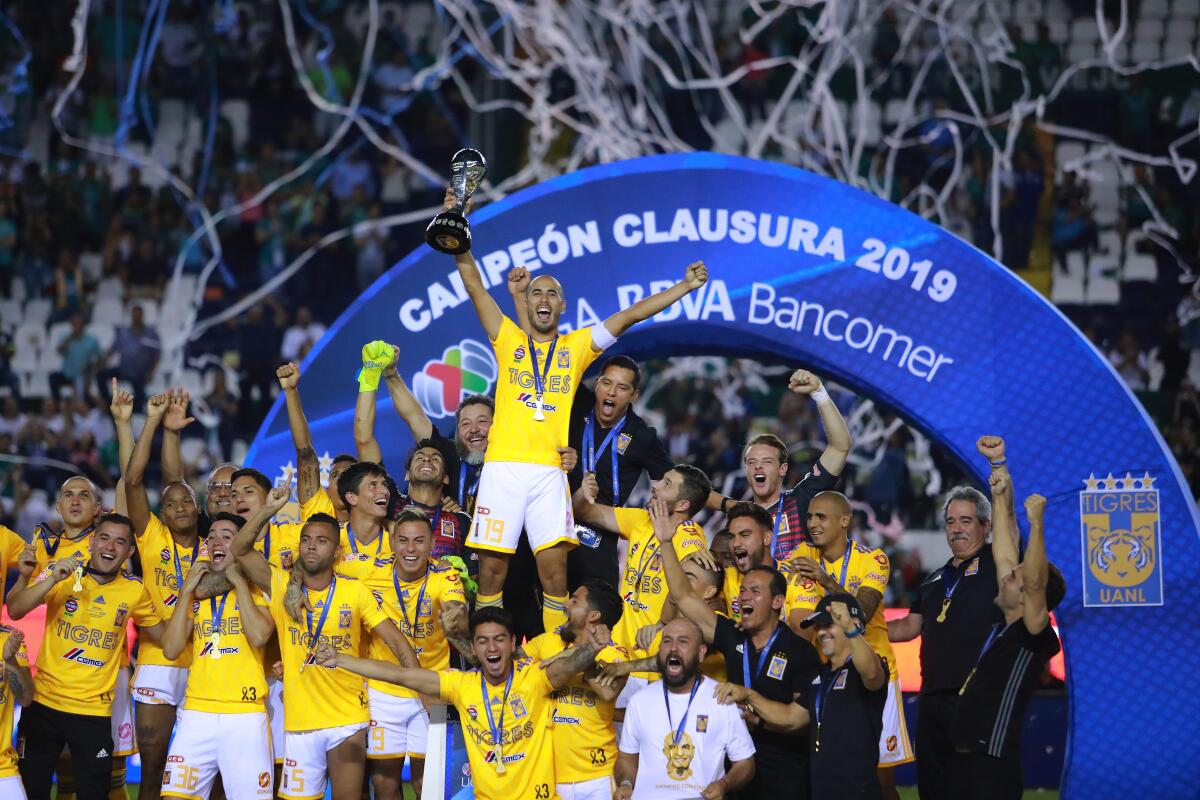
<point>88,245</point>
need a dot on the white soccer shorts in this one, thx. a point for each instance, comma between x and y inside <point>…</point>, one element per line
<point>399,726</point>
<point>124,743</point>
<point>305,760</point>
<point>513,496</point>
<point>595,789</point>
<point>237,746</point>
<point>894,746</point>
<point>160,685</point>
<point>11,788</point>
<point>275,715</point>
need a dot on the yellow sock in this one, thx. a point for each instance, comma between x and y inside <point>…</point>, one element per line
<point>489,600</point>
<point>116,787</point>
<point>553,615</point>
<point>65,777</point>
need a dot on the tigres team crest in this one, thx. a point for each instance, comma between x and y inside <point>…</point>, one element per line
<point>1120,521</point>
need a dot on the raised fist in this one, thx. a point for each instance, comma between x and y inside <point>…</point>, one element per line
<point>288,375</point>
<point>518,280</point>
<point>1035,506</point>
<point>1000,483</point>
<point>990,447</point>
<point>804,382</point>
<point>696,275</point>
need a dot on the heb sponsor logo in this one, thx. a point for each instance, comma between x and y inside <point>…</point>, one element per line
<point>529,400</point>
<point>79,656</point>
<point>144,692</point>
<point>465,369</point>
<point>1122,541</point>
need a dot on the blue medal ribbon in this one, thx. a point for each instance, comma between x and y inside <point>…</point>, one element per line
<point>845,563</point>
<point>539,378</point>
<point>747,678</point>
<point>822,693</point>
<point>179,565</point>
<point>354,542</point>
<point>644,564</point>
<point>497,730</point>
<point>949,587</point>
<point>218,611</point>
<point>590,451</point>
<point>403,608</point>
<point>315,636</point>
<point>778,523</point>
<point>677,732</point>
<point>463,491</point>
<point>46,537</point>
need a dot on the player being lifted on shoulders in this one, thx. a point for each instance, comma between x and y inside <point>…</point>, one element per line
<point>836,564</point>
<point>222,727</point>
<point>325,710</point>
<point>426,599</point>
<point>585,742</point>
<point>522,484</point>
<point>765,460</point>
<point>506,706</point>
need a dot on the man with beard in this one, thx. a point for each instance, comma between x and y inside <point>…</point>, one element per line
<point>749,527</point>
<point>683,489</point>
<point>168,548</point>
<point>835,564</point>
<point>841,709</point>
<point>425,472</point>
<point>78,506</point>
<point>953,616</point>
<point>585,742</point>
<point>75,683</point>
<point>506,706</point>
<point>222,728</point>
<point>765,460</point>
<point>760,653</point>
<point>522,486</point>
<point>425,598</point>
<point>325,711</point>
<point>676,737</point>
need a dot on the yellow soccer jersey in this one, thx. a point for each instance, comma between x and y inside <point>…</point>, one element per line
<point>363,561</point>
<point>524,720</point>
<point>321,697</point>
<point>644,584</point>
<point>585,742</point>
<point>233,682</point>
<point>164,567</point>
<point>281,542</point>
<point>416,608</point>
<point>516,435</point>
<point>48,547</point>
<point>11,546</point>
<point>8,755</point>
<point>84,643</point>
<point>866,566</point>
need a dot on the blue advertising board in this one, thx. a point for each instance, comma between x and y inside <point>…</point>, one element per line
<point>812,272</point>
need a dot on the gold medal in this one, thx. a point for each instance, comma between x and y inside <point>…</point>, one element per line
<point>78,585</point>
<point>215,641</point>
<point>538,416</point>
<point>945,607</point>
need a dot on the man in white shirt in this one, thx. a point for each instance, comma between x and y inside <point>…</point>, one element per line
<point>676,736</point>
<point>300,338</point>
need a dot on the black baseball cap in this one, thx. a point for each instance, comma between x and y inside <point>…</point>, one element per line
<point>821,615</point>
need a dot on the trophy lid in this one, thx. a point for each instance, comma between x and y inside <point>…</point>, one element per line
<point>469,155</point>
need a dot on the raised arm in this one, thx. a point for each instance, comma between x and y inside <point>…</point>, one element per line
<point>254,565</point>
<point>178,630</point>
<point>121,408</point>
<point>1004,538</point>
<point>778,716</point>
<point>992,448</point>
<point>308,468</point>
<point>453,618</point>
<point>1035,570</point>
<point>587,510</point>
<point>690,604</point>
<point>518,283</point>
<point>837,435</point>
<point>135,487</point>
<point>695,276</point>
<point>485,307</point>
<point>407,407</point>
<point>424,681</point>
<point>866,661</point>
<point>173,422</point>
<point>365,443</point>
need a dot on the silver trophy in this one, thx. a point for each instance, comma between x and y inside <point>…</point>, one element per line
<point>449,232</point>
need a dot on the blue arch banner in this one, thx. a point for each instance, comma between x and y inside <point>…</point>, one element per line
<point>811,271</point>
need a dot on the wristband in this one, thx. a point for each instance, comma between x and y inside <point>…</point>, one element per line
<point>375,356</point>
<point>857,633</point>
<point>999,462</point>
<point>724,505</point>
<point>821,397</point>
